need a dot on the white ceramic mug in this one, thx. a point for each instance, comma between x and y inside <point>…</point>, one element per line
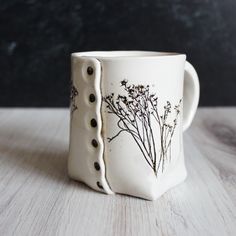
<point>128,113</point>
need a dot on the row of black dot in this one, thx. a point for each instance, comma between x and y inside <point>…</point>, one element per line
<point>93,123</point>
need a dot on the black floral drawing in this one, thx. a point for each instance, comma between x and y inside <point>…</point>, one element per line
<point>138,115</point>
<point>73,94</point>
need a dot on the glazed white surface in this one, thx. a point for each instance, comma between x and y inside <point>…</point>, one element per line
<point>123,168</point>
<point>127,170</point>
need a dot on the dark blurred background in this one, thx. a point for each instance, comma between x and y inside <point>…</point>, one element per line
<point>37,37</point>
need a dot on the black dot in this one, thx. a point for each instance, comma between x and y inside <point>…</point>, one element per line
<point>92,98</point>
<point>96,166</point>
<point>90,70</point>
<point>93,123</point>
<point>99,185</point>
<point>94,143</point>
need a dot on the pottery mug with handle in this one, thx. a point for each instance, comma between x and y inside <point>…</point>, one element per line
<point>129,110</point>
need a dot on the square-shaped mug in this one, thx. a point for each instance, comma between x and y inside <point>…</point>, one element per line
<point>129,110</point>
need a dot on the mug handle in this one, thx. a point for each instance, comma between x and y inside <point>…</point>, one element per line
<point>191,95</point>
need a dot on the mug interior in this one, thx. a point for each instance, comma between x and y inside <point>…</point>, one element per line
<point>124,54</point>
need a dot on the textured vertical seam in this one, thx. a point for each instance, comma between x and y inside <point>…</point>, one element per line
<point>103,151</point>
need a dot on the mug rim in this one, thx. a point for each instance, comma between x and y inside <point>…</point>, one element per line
<point>125,54</point>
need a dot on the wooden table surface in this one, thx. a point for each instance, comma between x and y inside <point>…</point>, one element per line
<point>37,197</point>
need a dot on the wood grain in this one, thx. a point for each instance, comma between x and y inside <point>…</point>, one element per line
<point>37,198</point>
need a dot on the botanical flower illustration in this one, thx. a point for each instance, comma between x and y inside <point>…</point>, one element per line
<point>73,94</point>
<point>138,115</point>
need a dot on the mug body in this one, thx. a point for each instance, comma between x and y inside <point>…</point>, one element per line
<point>126,121</point>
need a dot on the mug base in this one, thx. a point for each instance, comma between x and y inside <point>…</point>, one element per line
<point>172,179</point>
<point>169,180</point>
